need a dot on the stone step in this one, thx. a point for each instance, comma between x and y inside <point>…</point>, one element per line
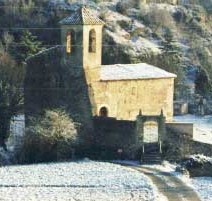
<point>152,153</point>
<point>151,158</point>
<point>152,149</point>
<point>151,161</point>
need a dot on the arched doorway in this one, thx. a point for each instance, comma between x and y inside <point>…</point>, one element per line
<point>103,112</point>
<point>150,132</point>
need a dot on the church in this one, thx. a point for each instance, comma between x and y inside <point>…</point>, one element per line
<point>118,90</point>
<point>71,76</point>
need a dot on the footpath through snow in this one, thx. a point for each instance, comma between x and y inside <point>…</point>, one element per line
<point>166,176</point>
<point>201,185</point>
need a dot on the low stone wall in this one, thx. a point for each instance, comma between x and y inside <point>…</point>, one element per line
<point>181,127</point>
<point>176,145</point>
<point>117,136</point>
<point>117,139</point>
<point>179,143</point>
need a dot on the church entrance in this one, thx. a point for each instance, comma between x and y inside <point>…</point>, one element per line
<point>103,112</point>
<point>150,133</point>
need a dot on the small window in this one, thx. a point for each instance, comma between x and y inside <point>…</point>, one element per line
<point>92,41</point>
<point>70,41</point>
<point>103,112</point>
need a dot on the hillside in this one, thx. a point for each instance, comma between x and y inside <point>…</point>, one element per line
<point>174,35</point>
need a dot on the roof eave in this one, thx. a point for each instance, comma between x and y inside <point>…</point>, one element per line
<point>81,24</point>
<point>148,78</point>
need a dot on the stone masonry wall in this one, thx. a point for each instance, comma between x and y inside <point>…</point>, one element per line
<point>125,98</point>
<point>114,136</point>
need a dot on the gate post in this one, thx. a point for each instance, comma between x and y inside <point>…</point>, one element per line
<point>143,149</point>
<point>161,129</point>
<point>139,131</point>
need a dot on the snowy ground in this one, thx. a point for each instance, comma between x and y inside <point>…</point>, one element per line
<point>202,185</point>
<point>202,126</point>
<point>84,180</point>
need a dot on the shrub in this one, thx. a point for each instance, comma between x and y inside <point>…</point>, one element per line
<point>158,18</point>
<point>48,138</point>
<point>180,15</point>
<point>124,24</point>
<point>122,7</point>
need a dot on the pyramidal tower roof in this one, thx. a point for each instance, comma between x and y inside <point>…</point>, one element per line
<point>82,16</point>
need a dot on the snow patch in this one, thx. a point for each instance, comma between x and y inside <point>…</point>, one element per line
<point>202,126</point>
<point>133,71</point>
<point>203,186</point>
<point>82,180</point>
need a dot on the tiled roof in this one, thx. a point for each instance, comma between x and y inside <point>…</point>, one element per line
<point>133,72</point>
<point>82,16</point>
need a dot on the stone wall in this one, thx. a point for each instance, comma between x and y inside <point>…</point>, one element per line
<point>181,127</point>
<point>176,145</point>
<point>116,135</point>
<point>112,135</point>
<point>124,98</point>
<point>179,145</point>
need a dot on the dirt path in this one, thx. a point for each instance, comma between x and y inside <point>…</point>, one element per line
<point>170,186</point>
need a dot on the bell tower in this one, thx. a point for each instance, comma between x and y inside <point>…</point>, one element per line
<point>81,35</point>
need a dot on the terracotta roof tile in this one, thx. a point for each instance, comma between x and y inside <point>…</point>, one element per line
<point>82,16</point>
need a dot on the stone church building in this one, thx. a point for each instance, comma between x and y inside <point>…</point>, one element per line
<point>71,76</point>
<point>118,90</point>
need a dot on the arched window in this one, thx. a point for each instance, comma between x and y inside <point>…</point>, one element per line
<point>70,41</point>
<point>92,41</point>
<point>103,112</point>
